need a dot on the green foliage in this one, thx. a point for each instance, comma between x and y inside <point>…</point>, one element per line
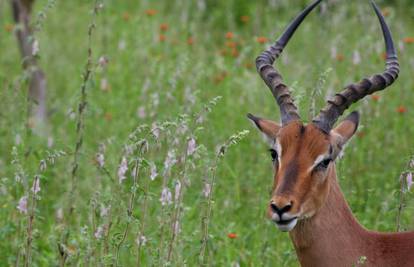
<point>159,91</point>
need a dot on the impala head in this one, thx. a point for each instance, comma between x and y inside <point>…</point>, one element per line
<point>304,155</point>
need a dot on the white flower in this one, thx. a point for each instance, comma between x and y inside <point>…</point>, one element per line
<point>99,232</point>
<point>141,240</point>
<point>104,84</point>
<point>100,159</point>
<point>166,196</point>
<point>207,190</point>
<point>169,161</point>
<point>123,168</point>
<point>35,48</point>
<point>191,146</point>
<point>356,57</point>
<point>141,112</point>
<point>155,130</point>
<point>409,179</point>
<point>42,165</point>
<point>103,61</point>
<point>36,185</point>
<point>22,206</point>
<point>154,172</point>
<point>177,190</point>
<point>105,210</point>
<point>59,214</point>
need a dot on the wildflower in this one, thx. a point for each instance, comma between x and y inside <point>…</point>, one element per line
<point>22,206</point>
<point>42,165</point>
<point>153,172</point>
<point>35,48</point>
<point>123,167</point>
<point>141,112</point>
<point>386,12</point>
<point>100,159</point>
<point>108,116</point>
<point>8,27</point>
<point>229,35</point>
<point>340,57</point>
<point>170,160</point>
<point>59,214</point>
<point>126,16</point>
<point>121,45</point>
<point>50,141</point>
<point>36,185</point>
<point>103,61</point>
<point>261,39</point>
<point>375,97</point>
<point>207,190</point>
<point>235,52</point>
<point>334,52</point>
<point>141,240</point>
<point>401,109</point>
<point>191,147</point>
<point>177,192</point>
<point>190,41</point>
<point>245,19</point>
<point>99,232</point>
<point>151,12</point>
<point>162,38</point>
<point>104,84</point>
<point>232,235</point>
<point>356,57</point>
<point>166,196</point>
<point>104,210</point>
<point>231,44</point>
<point>155,131</point>
<point>408,40</point>
<point>164,27</point>
<point>17,139</point>
<point>409,179</point>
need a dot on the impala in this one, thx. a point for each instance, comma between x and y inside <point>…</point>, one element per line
<point>306,198</point>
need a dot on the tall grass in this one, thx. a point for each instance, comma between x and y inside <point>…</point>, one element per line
<point>136,169</point>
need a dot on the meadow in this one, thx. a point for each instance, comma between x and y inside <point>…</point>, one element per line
<point>160,166</point>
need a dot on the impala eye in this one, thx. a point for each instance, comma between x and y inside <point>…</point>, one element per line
<point>273,154</point>
<point>324,164</point>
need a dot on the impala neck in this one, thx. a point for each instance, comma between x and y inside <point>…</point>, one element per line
<point>332,228</point>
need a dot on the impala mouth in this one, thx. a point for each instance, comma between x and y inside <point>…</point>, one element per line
<point>286,225</point>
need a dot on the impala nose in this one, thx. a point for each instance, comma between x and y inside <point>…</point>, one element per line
<point>280,209</point>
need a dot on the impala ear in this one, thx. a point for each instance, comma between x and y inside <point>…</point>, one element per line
<point>267,127</point>
<point>341,134</point>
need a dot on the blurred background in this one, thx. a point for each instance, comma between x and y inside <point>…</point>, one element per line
<point>123,130</point>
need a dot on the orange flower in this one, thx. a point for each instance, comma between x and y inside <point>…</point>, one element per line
<point>234,52</point>
<point>340,57</point>
<point>126,16</point>
<point>162,38</point>
<point>245,19</point>
<point>375,97</point>
<point>261,39</point>
<point>232,235</point>
<point>401,109</point>
<point>8,27</point>
<point>151,12</point>
<point>408,40</point>
<point>386,11</point>
<point>229,35</point>
<point>164,27</point>
<point>190,41</point>
<point>108,116</point>
<point>231,44</point>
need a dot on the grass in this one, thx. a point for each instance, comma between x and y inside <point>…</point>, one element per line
<point>165,84</point>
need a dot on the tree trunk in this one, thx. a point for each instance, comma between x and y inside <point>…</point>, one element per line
<point>37,82</point>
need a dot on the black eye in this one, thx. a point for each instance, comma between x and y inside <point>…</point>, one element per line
<point>323,165</point>
<point>273,154</point>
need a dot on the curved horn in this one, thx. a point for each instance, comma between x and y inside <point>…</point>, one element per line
<point>272,77</point>
<point>354,92</point>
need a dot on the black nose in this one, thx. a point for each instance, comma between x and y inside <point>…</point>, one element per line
<point>280,210</point>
